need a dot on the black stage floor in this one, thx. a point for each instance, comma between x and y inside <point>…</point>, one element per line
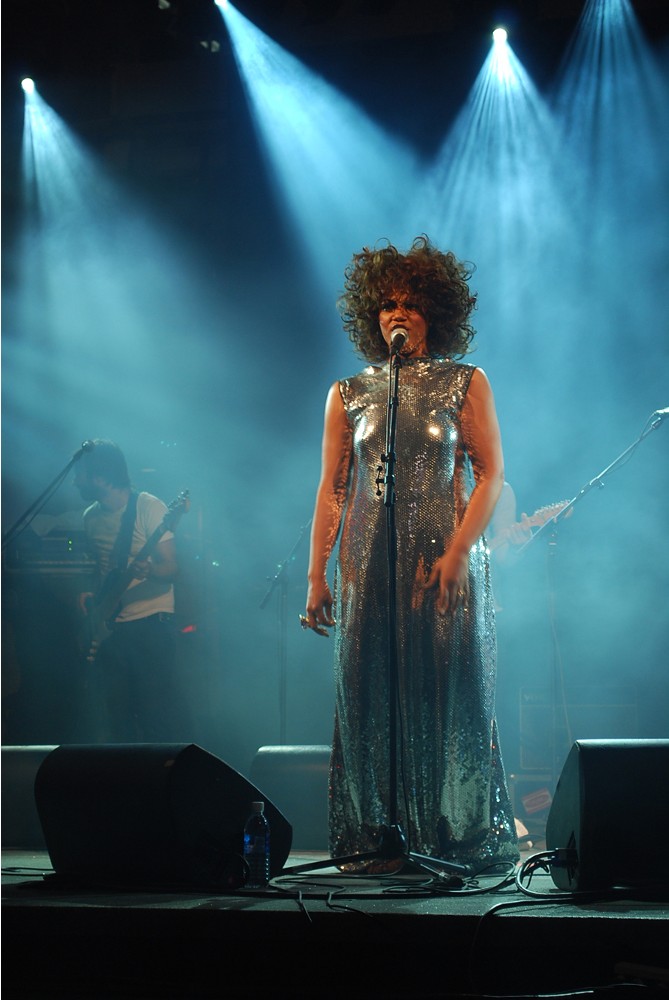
<point>323,934</point>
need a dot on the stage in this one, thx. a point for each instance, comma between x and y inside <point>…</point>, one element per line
<point>324,934</point>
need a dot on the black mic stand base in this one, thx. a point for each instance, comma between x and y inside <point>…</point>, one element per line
<point>393,847</point>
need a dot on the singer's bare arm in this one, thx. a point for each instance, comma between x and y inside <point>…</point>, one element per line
<point>483,442</point>
<point>330,501</point>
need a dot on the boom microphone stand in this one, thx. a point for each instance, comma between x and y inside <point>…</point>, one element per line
<point>551,527</point>
<point>393,845</point>
<point>37,505</point>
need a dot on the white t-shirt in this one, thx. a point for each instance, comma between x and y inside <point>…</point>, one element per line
<point>143,597</point>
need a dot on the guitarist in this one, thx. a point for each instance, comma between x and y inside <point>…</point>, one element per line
<point>134,649</point>
<point>505,533</point>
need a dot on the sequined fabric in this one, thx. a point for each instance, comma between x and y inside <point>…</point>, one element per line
<point>450,775</point>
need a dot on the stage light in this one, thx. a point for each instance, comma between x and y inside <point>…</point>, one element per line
<point>28,85</point>
<point>502,60</point>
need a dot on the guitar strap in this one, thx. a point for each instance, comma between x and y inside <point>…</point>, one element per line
<point>121,550</point>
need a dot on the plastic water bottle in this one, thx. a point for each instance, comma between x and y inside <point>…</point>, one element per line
<point>256,847</point>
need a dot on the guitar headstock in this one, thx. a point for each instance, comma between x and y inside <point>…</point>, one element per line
<point>180,505</point>
<point>180,501</point>
<point>544,514</point>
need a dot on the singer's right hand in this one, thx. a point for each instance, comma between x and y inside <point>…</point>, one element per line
<point>318,615</point>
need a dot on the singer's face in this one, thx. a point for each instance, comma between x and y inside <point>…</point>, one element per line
<point>400,311</point>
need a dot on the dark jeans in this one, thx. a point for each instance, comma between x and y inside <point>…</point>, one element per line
<point>137,675</point>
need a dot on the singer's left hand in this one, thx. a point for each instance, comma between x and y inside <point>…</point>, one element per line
<point>451,574</point>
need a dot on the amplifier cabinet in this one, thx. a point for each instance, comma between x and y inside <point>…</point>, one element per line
<point>295,778</point>
<point>598,712</point>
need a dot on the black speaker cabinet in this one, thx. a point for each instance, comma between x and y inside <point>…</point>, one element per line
<point>610,812</point>
<point>149,815</point>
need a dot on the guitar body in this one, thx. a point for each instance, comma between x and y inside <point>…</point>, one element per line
<point>103,608</point>
<point>504,537</point>
<point>536,520</point>
<point>96,633</point>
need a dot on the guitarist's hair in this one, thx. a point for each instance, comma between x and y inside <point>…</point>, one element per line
<point>105,459</point>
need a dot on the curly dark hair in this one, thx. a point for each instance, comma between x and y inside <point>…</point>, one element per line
<point>435,281</point>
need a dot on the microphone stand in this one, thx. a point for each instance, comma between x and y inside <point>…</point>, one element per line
<point>393,845</point>
<point>280,579</point>
<point>551,526</point>
<point>42,499</point>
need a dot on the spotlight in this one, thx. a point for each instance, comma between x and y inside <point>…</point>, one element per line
<point>499,36</point>
<point>28,85</point>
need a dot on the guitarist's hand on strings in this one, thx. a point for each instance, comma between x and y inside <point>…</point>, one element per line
<point>143,570</point>
<point>162,565</point>
<point>519,532</point>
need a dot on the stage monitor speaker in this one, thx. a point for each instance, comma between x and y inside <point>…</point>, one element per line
<point>610,814</point>
<point>168,815</point>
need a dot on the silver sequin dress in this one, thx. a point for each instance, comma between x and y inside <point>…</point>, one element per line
<point>450,770</point>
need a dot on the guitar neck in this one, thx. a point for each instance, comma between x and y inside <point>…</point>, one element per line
<point>536,520</point>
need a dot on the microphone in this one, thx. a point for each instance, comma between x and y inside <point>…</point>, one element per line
<point>657,418</point>
<point>398,339</point>
<point>85,446</point>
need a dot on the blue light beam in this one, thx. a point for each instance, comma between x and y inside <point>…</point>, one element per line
<point>494,191</point>
<point>342,178</point>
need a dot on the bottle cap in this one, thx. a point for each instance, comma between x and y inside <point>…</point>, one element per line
<point>258,807</point>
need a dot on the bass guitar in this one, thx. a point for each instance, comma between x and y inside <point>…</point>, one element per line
<point>104,606</point>
<point>536,520</point>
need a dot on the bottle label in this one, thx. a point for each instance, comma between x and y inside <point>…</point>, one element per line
<point>254,844</point>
